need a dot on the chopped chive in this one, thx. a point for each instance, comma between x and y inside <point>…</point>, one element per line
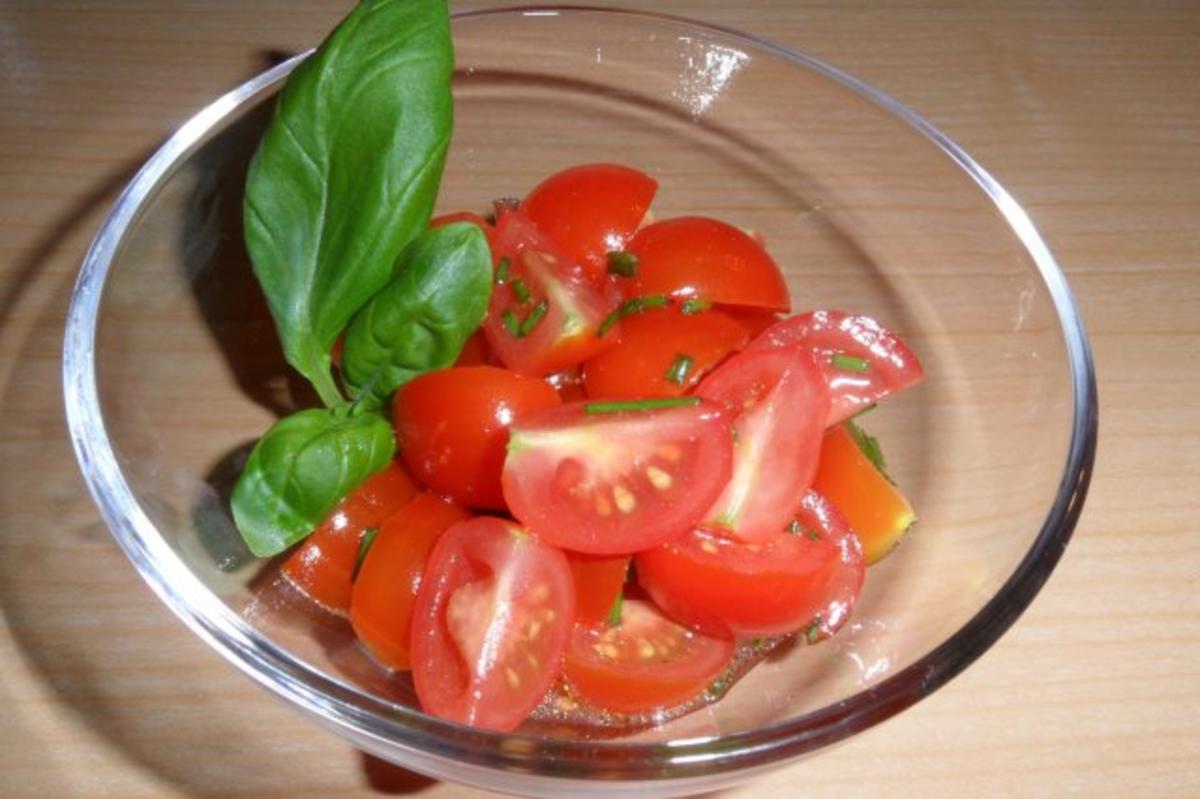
<point>623,263</point>
<point>679,368</point>
<point>511,324</point>
<point>535,316</point>
<point>812,535</point>
<point>813,633</point>
<point>695,305</point>
<point>719,688</point>
<point>520,289</point>
<point>502,270</point>
<point>794,527</point>
<point>631,306</point>
<point>868,445</point>
<point>848,363</point>
<point>614,613</point>
<point>364,546</point>
<point>639,405</point>
<point>864,411</point>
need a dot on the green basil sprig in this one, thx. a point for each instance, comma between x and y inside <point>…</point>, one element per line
<point>421,320</point>
<point>304,465</point>
<point>347,172</point>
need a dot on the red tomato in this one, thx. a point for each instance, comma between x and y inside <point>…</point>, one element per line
<point>490,624</point>
<point>545,311</point>
<point>806,580</point>
<point>615,483</point>
<point>322,566</point>
<point>879,362</point>
<point>645,663</point>
<point>755,320</point>
<point>489,230</point>
<point>694,256</point>
<point>476,352</point>
<point>779,404</point>
<point>599,580</point>
<point>648,361</point>
<point>568,383</point>
<point>452,428</point>
<point>386,586</point>
<point>591,210</point>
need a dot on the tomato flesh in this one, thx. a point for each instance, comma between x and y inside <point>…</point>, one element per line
<point>591,210</point>
<point>545,312</point>
<point>615,483</point>
<point>705,258</point>
<point>663,353</point>
<point>645,663</point>
<point>779,401</point>
<point>452,427</point>
<point>386,585</point>
<point>871,503</point>
<point>323,565</point>
<point>490,624</point>
<point>887,364</point>
<point>803,580</point>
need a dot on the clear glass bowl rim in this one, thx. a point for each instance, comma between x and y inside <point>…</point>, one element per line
<point>387,725</point>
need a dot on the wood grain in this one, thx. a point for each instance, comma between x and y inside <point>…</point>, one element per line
<point>1088,113</point>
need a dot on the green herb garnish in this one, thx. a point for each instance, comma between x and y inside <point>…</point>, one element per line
<point>848,363</point>
<point>511,323</point>
<point>614,613</point>
<point>617,406</point>
<point>623,263</point>
<point>364,546</point>
<point>813,634</point>
<point>535,316</point>
<point>695,306</point>
<point>631,306</point>
<point>521,290</point>
<point>869,446</point>
<point>502,270</point>
<point>678,370</point>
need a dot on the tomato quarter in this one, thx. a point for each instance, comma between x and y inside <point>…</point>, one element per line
<point>490,624</point>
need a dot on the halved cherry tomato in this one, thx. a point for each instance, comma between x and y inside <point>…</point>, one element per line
<point>322,566</point>
<point>568,383</point>
<point>779,403</point>
<point>386,586</point>
<point>545,311</point>
<point>663,353</point>
<point>476,352</point>
<point>489,230</point>
<point>599,580</point>
<point>755,320</point>
<point>871,503</point>
<point>452,427</point>
<point>490,624</point>
<point>645,663</point>
<point>694,256</point>
<point>615,483</point>
<point>808,579</point>
<point>591,210</point>
<point>862,360</point>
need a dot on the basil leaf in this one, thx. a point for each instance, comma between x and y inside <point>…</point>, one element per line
<point>422,319</point>
<point>304,465</point>
<point>347,172</point>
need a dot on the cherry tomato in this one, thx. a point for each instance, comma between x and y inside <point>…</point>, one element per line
<point>322,566</point>
<point>591,210</point>
<point>695,256</point>
<point>489,230</point>
<point>386,585</point>
<point>568,383</point>
<point>452,428</point>
<point>615,483</point>
<point>490,624</point>
<point>476,352</point>
<point>599,580</point>
<point>645,663</point>
<point>755,320</point>
<point>663,353</point>
<point>779,403</point>
<point>863,361</point>
<point>545,312</point>
<point>806,580</point>
<point>871,503</point>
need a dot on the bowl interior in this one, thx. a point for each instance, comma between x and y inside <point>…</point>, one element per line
<point>862,211</point>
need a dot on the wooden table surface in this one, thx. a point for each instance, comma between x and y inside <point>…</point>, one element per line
<point>1088,113</point>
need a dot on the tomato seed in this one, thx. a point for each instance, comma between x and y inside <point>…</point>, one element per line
<point>603,506</point>
<point>540,593</point>
<point>645,649</point>
<point>535,627</point>
<point>514,679</point>
<point>626,502</point>
<point>658,478</point>
<point>670,453</point>
<point>709,547</point>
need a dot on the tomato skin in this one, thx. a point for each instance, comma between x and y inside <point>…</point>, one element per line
<point>385,589</point>
<point>726,587</point>
<point>490,624</point>
<point>778,401</point>
<point>695,256</point>
<point>871,503</point>
<point>575,307</point>
<point>754,320</point>
<point>323,564</point>
<point>651,341</point>
<point>452,428</point>
<point>892,366</point>
<point>616,483</point>
<point>599,580</point>
<point>591,210</point>
<point>646,663</point>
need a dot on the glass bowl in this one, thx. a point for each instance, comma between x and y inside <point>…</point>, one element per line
<point>172,368</point>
